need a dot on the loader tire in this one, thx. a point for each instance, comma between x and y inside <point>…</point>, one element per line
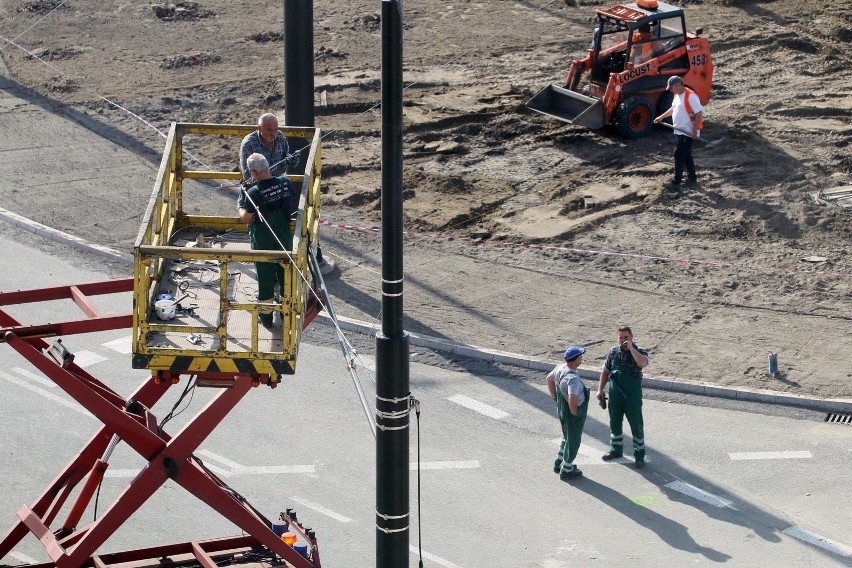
<point>635,117</point>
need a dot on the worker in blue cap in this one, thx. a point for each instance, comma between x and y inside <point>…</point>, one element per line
<point>572,404</point>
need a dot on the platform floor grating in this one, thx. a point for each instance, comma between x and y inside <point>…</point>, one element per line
<point>198,301</point>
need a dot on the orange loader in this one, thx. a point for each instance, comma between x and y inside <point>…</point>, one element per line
<point>635,49</point>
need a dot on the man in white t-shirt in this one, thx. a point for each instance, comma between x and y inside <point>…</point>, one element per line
<point>686,112</point>
<point>572,403</point>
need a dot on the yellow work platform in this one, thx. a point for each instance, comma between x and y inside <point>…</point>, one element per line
<point>195,308</point>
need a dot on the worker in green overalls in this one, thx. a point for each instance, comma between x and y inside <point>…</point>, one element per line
<point>275,197</point>
<point>572,404</point>
<point>623,371</point>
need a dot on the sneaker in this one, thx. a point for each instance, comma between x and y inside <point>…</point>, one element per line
<point>672,184</point>
<point>640,463</point>
<point>570,474</point>
<point>611,456</point>
<point>692,181</point>
<point>557,467</point>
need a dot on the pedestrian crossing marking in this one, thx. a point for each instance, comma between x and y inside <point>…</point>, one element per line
<point>786,455</point>
<point>87,358</point>
<point>322,510</point>
<point>23,557</point>
<point>432,558</point>
<point>47,394</point>
<point>233,468</point>
<point>33,377</point>
<point>445,465</point>
<point>591,455</point>
<point>123,345</point>
<point>820,541</point>
<point>700,494</point>
<point>479,407</point>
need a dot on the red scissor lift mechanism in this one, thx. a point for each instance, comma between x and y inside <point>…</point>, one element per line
<point>169,457</point>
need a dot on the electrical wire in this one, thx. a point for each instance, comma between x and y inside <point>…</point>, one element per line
<point>419,516</point>
<point>188,389</point>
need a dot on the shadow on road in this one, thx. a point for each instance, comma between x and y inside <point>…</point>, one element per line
<point>673,534</point>
<point>662,470</point>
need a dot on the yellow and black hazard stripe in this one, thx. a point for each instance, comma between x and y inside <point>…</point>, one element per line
<point>190,364</point>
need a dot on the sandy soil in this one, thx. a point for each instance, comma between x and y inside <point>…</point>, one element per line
<point>483,169</point>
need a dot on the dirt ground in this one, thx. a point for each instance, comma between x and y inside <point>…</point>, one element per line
<point>485,177</point>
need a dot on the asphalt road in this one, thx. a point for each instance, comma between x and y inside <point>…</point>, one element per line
<point>721,485</point>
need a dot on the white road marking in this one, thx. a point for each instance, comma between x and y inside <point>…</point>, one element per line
<point>236,469</point>
<point>86,358</point>
<point>122,345</point>
<point>33,377</point>
<point>700,494</point>
<point>788,455</point>
<point>115,473</point>
<point>270,469</point>
<point>445,465</point>
<point>432,558</point>
<point>322,510</point>
<point>23,557</point>
<point>820,541</point>
<point>216,457</point>
<point>47,394</point>
<point>479,407</point>
<point>591,455</point>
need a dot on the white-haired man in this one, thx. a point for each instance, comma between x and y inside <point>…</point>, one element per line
<point>267,141</point>
<point>274,198</point>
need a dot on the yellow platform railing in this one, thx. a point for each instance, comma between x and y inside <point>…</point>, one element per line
<point>166,215</point>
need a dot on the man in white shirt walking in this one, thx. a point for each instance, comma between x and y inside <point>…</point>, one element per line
<point>686,112</point>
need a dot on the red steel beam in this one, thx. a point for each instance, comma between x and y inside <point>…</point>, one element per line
<point>169,462</point>
<point>79,294</point>
<point>49,503</point>
<point>64,292</point>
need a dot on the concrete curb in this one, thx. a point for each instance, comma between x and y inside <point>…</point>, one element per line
<point>658,383</point>
<point>64,238</point>
<point>481,353</point>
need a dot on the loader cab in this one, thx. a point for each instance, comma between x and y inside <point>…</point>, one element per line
<point>627,36</point>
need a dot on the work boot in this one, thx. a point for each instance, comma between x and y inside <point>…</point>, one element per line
<point>640,463</point>
<point>611,456</point>
<point>570,474</point>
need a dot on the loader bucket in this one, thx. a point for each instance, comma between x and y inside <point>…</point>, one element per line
<point>568,106</point>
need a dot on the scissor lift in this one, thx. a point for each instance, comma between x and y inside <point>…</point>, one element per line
<point>205,264</point>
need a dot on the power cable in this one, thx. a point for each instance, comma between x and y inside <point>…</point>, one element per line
<point>287,159</point>
<point>419,516</point>
<point>37,22</point>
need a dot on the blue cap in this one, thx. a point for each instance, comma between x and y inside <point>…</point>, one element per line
<point>573,352</point>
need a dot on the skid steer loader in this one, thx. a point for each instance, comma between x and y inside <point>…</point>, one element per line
<point>635,49</point>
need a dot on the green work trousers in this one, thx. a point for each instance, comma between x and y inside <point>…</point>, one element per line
<point>625,399</point>
<point>572,430</point>
<point>270,273</point>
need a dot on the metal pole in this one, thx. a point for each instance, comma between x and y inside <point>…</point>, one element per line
<point>299,84</point>
<point>299,65</point>
<point>392,376</point>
